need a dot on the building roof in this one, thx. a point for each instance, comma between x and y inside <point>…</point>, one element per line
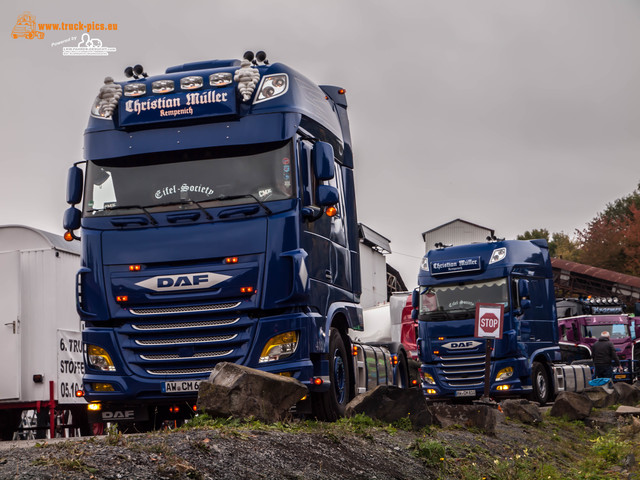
<point>42,238</point>
<point>458,220</point>
<point>599,273</point>
<point>373,239</point>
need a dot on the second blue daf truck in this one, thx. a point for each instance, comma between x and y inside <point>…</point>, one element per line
<point>515,274</point>
<point>218,223</point>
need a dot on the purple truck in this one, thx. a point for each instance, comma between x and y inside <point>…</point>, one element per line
<point>582,320</point>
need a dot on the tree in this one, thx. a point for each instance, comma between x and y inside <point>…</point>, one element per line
<point>560,244</point>
<point>612,239</point>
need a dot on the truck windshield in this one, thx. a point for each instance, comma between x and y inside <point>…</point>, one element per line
<point>617,330</point>
<point>190,179</point>
<point>457,301</point>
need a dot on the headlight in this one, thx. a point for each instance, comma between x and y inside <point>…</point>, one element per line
<point>191,83</point>
<point>424,264</point>
<point>504,374</point>
<point>428,378</point>
<point>280,346</point>
<point>134,89</point>
<point>100,359</point>
<point>272,86</point>
<point>220,79</point>
<point>162,86</point>
<point>498,254</point>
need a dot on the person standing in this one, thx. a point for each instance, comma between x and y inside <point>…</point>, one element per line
<point>604,354</point>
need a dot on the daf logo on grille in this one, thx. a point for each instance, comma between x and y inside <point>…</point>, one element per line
<point>191,281</point>
<point>460,345</point>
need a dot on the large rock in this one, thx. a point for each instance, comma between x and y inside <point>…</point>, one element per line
<point>522,410</point>
<point>572,405</point>
<point>241,392</point>
<point>628,394</point>
<point>601,397</point>
<point>389,404</point>
<point>482,417</point>
<point>623,410</point>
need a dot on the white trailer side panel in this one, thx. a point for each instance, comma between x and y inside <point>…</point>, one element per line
<point>10,327</point>
<point>47,305</point>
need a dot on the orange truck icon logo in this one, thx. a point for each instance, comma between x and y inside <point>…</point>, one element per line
<point>26,27</point>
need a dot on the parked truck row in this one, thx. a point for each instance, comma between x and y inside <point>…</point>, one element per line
<point>218,222</point>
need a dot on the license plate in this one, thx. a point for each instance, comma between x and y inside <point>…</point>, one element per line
<point>181,386</point>
<point>465,393</point>
<point>621,376</point>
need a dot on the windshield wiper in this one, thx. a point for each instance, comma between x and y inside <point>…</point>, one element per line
<point>184,202</point>
<point>246,195</point>
<point>129,207</point>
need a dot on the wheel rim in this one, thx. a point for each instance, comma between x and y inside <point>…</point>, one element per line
<point>339,380</point>
<point>542,385</point>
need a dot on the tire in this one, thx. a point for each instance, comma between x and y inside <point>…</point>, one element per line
<point>541,385</point>
<point>401,379</point>
<point>9,423</point>
<point>330,405</point>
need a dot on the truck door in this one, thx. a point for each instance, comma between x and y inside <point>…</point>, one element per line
<point>10,352</point>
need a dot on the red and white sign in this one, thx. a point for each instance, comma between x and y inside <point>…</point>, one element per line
<point>489,320</point>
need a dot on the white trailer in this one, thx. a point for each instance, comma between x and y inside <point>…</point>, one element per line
<point>40,341</point>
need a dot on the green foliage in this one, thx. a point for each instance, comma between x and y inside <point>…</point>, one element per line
<point>431,451</point>
<point>610,448</point>
<point>114,435</point>
<point>560,244</point>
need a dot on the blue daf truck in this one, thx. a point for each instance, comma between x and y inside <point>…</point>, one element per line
<point>218,223</point>
<point>515,274</point>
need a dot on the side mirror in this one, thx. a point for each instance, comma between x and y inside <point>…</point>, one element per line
<point>326,195</point>
<point>523,287</point>
<point>636,309</point>
<point>74,185</point>
<point>71,222</point>
<point>415,303</point>
<point>525,304</point>
<point>323,167</point>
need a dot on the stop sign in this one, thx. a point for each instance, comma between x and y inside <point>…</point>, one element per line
<point>489,320</point>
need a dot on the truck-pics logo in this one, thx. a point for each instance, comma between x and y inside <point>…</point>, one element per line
<point>26,27</point>
<point>190,281</point>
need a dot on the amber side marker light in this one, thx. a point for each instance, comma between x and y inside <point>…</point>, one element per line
<point>342,91</point>
<point>135,268</point>
<point>79,393</point>
<point>332,211</point>
<point>354,350</point>
<point>246,290</point>
<point>394,360</point>
<point>68,236</point>
<point>414,382</point>
<point>231,260</point>
<point>317,381</point>
<point>122,298</point>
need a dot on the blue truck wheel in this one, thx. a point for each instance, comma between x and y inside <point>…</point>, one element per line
<point>330,405</point>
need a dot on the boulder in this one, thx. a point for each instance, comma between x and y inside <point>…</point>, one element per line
<point>572,405</point>
<point>522,410</point>
<point>241,392</point>
<point>601,397</point>
<point>482,417</point>
<point>628,394</point>
<point>624,410</point>
<point>389,404</point>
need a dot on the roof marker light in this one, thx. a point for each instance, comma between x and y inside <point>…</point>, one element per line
<point>192,82</point>
<point>162,86</point>
<point>135,89</point>
<point>342,91</point>
<point>220,79</point>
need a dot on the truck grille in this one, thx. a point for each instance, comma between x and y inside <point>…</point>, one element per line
<point>190,309</point>
<point>191,347</point>
<point>462,371</point>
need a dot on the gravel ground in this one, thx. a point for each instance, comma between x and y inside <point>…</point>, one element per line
<point>322,451</point>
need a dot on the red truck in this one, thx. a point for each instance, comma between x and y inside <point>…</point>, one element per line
<point>582,320</point>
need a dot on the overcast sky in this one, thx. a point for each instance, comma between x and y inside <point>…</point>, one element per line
<point>510,114</point>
